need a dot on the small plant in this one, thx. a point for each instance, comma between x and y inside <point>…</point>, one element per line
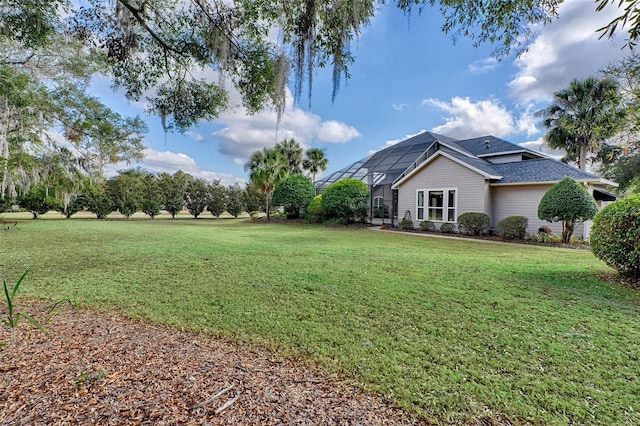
<point>13,317</point>
<point>406,224</point>
<point>448,228</point>
<point>427,225</point>
<point>513,227</point>
<point>474,223</point>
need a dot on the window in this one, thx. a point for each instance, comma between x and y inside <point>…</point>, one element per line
<point>377,202</point>
<point>441,205</point>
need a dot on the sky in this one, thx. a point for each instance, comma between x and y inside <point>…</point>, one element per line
<point>408,77</point>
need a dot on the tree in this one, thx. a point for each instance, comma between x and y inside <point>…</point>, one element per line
<point>583,116</point>
<point>267,168</point>
<point>620,158</point>
<point>196,197</point>
<point>254,200</point>
<point>98,201</point>
<point>174,188</point>
<point>218,197</point>
<point>291,151</point>
<point>150,46</point>
<point>294,193</point>
<point>345,199</point>
<point>152,196</point>
<point>126,191</point>
<point>568,202</point>
<point>235,200</point>
<point>37,201</point>
<point>314,162</point>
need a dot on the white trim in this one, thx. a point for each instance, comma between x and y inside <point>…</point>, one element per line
<point>445,204</point>
<point>551,182</point>
<point>450,157</point>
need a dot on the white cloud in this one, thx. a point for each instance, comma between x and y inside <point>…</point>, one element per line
<point>400,107</point>
<point>483,65</point>
<point>469,119</point>
<point>564,50</point>
<point>194,135</point>
<point>244,134</point>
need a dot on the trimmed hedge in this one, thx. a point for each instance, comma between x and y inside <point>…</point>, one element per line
<point>406,224</point>
<point>346,199</point>
<point>448,228</point>
<point>513,227</point>
<point>427,225</point>
<point>474,223</point>
<point>615,236</point>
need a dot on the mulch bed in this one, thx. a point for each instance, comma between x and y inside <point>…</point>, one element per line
<point>95,368</point>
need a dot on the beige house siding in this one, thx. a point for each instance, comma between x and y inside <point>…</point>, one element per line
<point>472,192</point>
<point>521,200</point>
<point>509,158</point>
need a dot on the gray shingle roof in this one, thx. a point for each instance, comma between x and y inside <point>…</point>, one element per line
<point>477,163</point>
<point>491,145</point>
<point>540,170</point>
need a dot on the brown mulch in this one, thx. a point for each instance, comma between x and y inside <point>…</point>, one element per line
<point>95,368</point>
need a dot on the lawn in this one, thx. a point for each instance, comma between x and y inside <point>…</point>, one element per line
<point>453,330</point>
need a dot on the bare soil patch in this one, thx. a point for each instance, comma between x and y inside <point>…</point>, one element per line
<point>94,368</point>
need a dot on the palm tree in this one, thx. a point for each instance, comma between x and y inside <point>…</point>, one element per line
<point>315,161</point>
<point>292,152</point>
<point>583,116</point>
<point>266,169</point>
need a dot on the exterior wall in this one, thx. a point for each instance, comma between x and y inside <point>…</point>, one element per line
<point>522,200</point>
<point>472,192</point>
<point>509,158</point>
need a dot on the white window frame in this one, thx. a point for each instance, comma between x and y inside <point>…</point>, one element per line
<point>380,201</point>
<point>426,208</point>
<point>420,209</point>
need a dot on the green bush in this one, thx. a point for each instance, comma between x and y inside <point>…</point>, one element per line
<point>406,224</point>
<point>293,193</point>
<point>568,202</point>
<point>427,225</point>
<point>513,227</point>
<point>474,223</point>
<point>345,199</point>
<point>615,236</point>
<point>448,228</point>
<point>381,212</point>
<point>315,207</point>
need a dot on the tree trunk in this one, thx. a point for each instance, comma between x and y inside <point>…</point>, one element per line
<point>268,204</point>
<point>583,157</point>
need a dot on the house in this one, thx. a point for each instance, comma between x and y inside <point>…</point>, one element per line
<point>437,178</point>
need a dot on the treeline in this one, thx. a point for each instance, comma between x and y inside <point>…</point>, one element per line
<point>135,190</point>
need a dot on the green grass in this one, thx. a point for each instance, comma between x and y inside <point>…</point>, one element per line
<point>453,330</point>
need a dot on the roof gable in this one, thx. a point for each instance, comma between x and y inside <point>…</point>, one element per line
<point>486,146</point>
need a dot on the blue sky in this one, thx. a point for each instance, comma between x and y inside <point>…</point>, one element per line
<point>408,77</point>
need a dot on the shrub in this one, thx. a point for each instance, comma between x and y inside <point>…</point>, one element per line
<point>381,212</point>
<point>474,223</point>
<point>294,193</point>
<point>315,207</point>
<point>448,228</point>
<point>345,199</point>
<point>615,236</point>
<point>513,227</point>
<point>406,224</point>
<point>568,202</point>
<point>427,225</point>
